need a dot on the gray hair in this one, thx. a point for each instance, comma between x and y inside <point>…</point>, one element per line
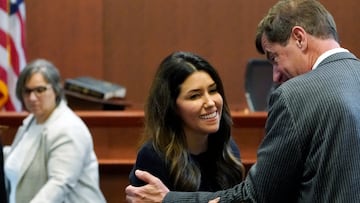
<point>50,73</point>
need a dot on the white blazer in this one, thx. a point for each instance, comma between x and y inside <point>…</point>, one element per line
<point>62,165</point>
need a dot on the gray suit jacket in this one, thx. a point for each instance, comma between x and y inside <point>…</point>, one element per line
<point>311,151</point>
<point>61,166</point>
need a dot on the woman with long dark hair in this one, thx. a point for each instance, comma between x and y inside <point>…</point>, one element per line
<point>187,139</point>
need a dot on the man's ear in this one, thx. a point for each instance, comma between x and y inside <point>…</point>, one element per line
<point>299,35</point>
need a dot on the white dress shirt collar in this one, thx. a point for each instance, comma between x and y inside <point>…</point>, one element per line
<point>327,54</point>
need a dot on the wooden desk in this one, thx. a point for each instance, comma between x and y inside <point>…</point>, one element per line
<point>82,102</point>
<point>116,135</point>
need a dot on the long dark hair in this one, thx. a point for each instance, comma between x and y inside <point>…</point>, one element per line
<point>164,126</point>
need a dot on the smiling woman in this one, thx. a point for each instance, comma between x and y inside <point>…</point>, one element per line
<point>187,142</point>
<point>200,106</point>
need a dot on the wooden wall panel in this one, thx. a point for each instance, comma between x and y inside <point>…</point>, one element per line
<point>123,41</point>
<point>67,32</point>
<point>139,34</point>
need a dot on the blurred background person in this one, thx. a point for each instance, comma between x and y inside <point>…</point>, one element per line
<point>51,158</point>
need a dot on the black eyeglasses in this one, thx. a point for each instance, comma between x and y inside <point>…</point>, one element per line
<point>37,90</point>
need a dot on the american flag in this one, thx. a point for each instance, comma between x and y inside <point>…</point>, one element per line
<point>12,50</point>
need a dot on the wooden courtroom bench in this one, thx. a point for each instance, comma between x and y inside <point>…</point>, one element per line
<point>116,135</point>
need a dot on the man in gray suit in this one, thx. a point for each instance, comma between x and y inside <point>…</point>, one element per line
<point>311,151</point>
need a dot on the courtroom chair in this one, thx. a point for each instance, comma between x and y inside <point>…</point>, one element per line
<point>258,84</point>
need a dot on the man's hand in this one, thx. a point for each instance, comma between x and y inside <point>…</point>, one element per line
<point>153,192</point>
<point>216,200</point>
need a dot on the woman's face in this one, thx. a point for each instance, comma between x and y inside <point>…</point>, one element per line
<point>39,97</point>
<point>199,104</point>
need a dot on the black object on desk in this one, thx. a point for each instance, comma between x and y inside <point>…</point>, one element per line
<point>78,101</point>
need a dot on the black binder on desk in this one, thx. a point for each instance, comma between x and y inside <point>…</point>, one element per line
<point>95,88</point>
<point>78,101</point>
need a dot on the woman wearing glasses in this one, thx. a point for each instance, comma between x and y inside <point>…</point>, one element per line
<point>52,157</point>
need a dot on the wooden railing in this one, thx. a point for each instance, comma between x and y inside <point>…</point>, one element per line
<point>116,135</point>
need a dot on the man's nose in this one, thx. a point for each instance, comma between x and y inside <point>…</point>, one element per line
<point>276,74</point>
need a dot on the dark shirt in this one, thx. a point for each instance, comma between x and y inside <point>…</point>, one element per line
<point>149,160</point>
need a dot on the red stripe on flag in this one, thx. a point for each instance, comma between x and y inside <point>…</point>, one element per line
<point>23,33</point>
<point>4,5</point>
<point>14,57</point>
<point>12,43</point>
<point>9,106</point>
<point>3,75</point>
<point>2,38</point>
